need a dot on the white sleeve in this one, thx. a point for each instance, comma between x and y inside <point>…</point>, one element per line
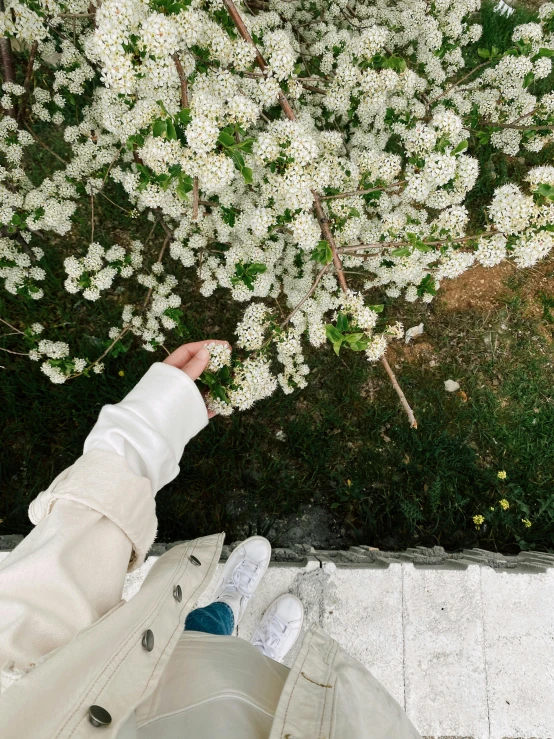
<point>95,521</point>
<point>152,424</point>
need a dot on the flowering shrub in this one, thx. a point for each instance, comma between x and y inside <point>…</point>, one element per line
<point>280,145</point>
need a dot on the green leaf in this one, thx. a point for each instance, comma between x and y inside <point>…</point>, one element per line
<point>377,308</point>
<point>484,53</point>
<point>461,147</point>
<point>246,145</point>
<point>336,346</point>
<point>171,133</point>
<point>359,346</point>
<point>401,252</point>
<point>484,137</point>
<point>162,106</point>
<point>256,269</point>
<point>353,338</point>
<point>184,116</point>
<point>545,52</point>
<point>247,174</point>
<point>528,79</point>
<point>547,191</point>
<point>181,190</point>
<point>218,392</point>
<point>342,321</point>
<point>226,139</point>
<point>238,159</point>
<point>333,334</point>
<point>421,246</point>
<point>322,253</point>
<point>159,128</point>
<point>396,63</point>
<point>354,212</point>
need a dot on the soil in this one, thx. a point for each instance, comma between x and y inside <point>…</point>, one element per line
<point>480,288</point>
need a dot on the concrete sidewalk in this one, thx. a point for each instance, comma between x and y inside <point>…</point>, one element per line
<point>468,652</point>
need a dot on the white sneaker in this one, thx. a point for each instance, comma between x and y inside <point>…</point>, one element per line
<point>243,573</point>
<point>279,627</point>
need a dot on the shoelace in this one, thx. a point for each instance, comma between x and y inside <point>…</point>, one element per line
<point>243,578</point>
<point>271,636</point>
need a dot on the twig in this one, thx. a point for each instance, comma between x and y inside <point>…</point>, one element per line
<point>195,197</point>
<point>159,259</point>
<point>128,212</point>
<point>12,327</point>
<point>523,128</point>
<point>39,141</point>
<point>352,193</point>
<point>27,83</point>
<point>104,354</point>
<point>20,354</point>
<point>6,57</point>
<point>183,80</point>
<point>328,236</point>
<point>459,82</point>
<point>91,219</point>
<point>166,228</point>
<point>387,244</point>
<point>396,386</point>
<point>109,168</point>
<point>308,295</point>
<point>157,220</point>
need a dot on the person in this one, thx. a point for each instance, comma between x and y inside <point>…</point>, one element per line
<point>78,661</point>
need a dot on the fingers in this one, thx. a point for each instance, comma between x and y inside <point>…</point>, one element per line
<point>181,356</point>
<point>197,363</point>
<point>193,359</point>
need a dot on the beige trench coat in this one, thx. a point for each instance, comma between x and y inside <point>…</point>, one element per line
<point>68,641</point>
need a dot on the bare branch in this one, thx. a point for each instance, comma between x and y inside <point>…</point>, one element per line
<point>308,295</point>
<point>183,79</point>
<point>399,244</point>
<point>195,198</point>
<point>12,327</point>
<point>326,231</point>
<point>6,60</point>
<point>459,82</point>
<point>352,193</point>
<point>396,386</point>
<point>44,146</point>
<point>27,83</point>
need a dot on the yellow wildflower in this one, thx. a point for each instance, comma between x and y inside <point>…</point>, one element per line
<point>478,520</point>
<point>492,508</point>
<point>121,373</point>
<point>504,504</point>
<point>526,522</point>
<point>502,474</point>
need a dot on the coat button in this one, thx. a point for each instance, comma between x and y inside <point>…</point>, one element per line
<point>178,593</point>
<point>148,640</point>
<point>98,716</point>
<point>194,560</point>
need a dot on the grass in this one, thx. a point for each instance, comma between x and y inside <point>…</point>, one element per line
<point>347,445</point>
<point>344,443</point>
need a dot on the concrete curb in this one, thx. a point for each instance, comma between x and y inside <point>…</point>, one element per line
<point>366,556</point>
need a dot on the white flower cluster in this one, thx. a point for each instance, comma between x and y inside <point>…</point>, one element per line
<point>253,381</point>
<point>187,127</point>
<point>96,271</point>
<point>220,356</point>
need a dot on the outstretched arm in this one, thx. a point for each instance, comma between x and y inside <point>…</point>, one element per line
<point>97,519</point>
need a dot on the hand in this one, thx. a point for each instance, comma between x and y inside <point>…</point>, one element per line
<point>193,359</point>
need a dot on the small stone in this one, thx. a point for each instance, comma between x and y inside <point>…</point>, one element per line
<point>451,386</point>
<point>413,332</point>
